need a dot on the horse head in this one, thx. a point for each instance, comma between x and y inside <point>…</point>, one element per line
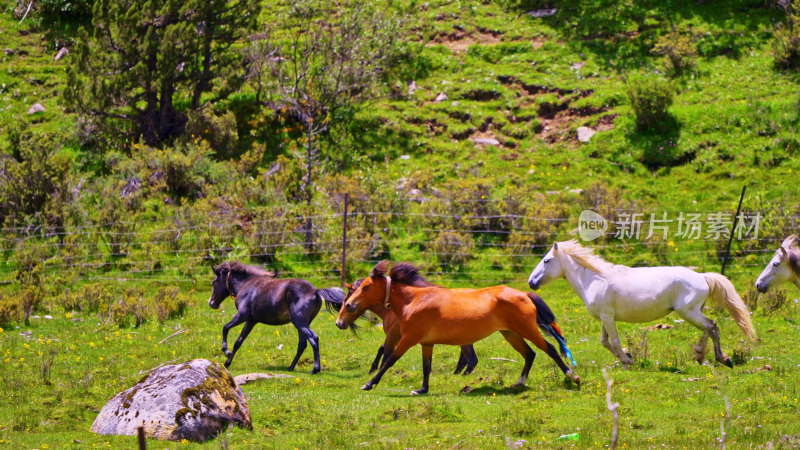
<point>548,269</point>
<point>219,287</point>
<point>371,291</point>
<point>782,267</point>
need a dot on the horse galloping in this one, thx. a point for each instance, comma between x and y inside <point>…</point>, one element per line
<point>467,359</point>
<point>261,298</point>
<point>641,294</point>
<point>430,315</point>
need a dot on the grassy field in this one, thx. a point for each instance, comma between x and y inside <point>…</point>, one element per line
<point>56,374</point>
<point>527,82</point>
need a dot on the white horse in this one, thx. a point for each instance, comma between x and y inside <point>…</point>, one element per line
<point>784,266</point>
<point>642,294</point>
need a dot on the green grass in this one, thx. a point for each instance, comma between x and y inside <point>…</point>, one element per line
<point>735,116</point>
<point>666,398</point>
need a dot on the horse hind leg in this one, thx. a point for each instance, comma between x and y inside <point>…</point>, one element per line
<point>701,348</point>
<point>313,339</point>
<point>523,349</point>
<point>301,347</point>
<point>471,357</point>
<point>709,328</point>
<point>376,363</point>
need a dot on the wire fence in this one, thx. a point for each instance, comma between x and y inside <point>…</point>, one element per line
<point>451,248</point>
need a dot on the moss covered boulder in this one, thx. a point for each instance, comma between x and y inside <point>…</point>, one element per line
<point>195,400</point>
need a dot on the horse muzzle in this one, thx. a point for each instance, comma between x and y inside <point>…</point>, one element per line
<point>534,285</point>
<point>212,303</point>
<point>342,324</point>
<point>761,287</point>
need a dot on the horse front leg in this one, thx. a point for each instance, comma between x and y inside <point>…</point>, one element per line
<point>237,319</point>
<point>612,341</point>
<point>376,363</point>
<point>401,348</point>
<point>427,357</point>
<point>248,327</point>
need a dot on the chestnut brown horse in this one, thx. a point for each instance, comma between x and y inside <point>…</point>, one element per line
<point>467,359</point>
<point>430,315</point>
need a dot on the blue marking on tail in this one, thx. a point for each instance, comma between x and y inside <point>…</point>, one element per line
<point>565,349</point>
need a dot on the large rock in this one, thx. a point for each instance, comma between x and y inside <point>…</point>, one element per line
<point>195,400</point>
<point>585,133</point>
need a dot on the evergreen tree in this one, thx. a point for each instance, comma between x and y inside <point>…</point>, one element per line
<point>149,62</point>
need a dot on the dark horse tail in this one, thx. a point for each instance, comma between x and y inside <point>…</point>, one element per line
<point>547,322</point>
<point>333,298</point>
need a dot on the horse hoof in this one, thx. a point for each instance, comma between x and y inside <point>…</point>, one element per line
<point>419,392</point>
<point>366,387</point>
<point>728,362</point>
<point>227,363</point>
<point>467,372</point>
<point>290,369</point>
<point>315,370</point>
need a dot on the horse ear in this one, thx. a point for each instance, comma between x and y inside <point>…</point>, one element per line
<point>214,269</point>
<point>783,252</point>
<point>555,248</point>
<point>349,287</point>
<point>380,269</point>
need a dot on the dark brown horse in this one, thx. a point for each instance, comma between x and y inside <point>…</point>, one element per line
<point>261,298</point>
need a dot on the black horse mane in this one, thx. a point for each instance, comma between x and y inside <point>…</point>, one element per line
<point>407,273</point>
<point>250,271</point>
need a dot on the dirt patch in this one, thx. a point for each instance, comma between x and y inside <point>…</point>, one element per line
<point>606,122</point>
<point>459,40</point>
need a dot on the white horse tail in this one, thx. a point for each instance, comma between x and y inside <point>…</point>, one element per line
<point>723,293</point>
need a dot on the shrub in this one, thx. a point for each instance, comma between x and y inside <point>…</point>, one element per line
<point>219,130</point>
<point>169,303</point>
<point>10,310</point>
<point>678,50</point>
<point>34,183</point>
<point>452,249</point>
<point>650,97</point>
<point>786,44</point>
<point>267,232</point>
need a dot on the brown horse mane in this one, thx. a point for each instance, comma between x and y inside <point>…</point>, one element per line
<point>248,270</point>
<point>407,273</point>
<point>792,246</point>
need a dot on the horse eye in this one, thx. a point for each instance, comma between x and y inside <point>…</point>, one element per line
<point>351,307</point>
<point>546,261</point>
<point>776,263</point>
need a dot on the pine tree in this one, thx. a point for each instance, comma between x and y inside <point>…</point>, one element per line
<point>147,63</point>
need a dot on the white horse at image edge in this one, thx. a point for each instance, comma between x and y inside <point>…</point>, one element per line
<point>783,267</point>
<point>642,294</point>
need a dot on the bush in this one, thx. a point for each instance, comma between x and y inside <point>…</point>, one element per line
<point>650,97</point>
<point>679,52</point>
<point>10,310</point>
<point>452,249</point>
<point>219,130</point>
<point>786,44</point>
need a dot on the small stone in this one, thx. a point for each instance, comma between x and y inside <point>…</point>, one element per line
<point>405,157</point>
<point>486,141</point>
<point>546,12</point>
<point>577,66</point>
<point>440,98</point>
<point>36,108</point>
<point>412,87</point>
<point>585,133</point>
<point>61,53</point>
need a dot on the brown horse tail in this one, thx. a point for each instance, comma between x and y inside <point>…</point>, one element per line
<point>333,298</point>
<point>722,292</point>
